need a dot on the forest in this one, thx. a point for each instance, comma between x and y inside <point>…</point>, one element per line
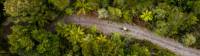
<point>25,27</point>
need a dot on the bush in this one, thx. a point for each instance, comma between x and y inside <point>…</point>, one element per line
<point>69,11</point>
<point>102,13</point>
<point>127,16</point>
<point>115,13</point>
<point>188,39</point>
<point>147,16</point>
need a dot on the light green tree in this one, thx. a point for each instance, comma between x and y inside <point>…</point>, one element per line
<point>23,7</point>
<point>147,15</point>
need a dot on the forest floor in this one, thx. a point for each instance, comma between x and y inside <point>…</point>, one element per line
<point>135,31</point>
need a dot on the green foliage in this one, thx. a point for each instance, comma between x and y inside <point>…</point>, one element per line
<point>60,4</point>
<point>88,43</point>
<point>104,3</point>
<point>69,11</point>
<point>119,44</point>
<point>33,12</point>
<point>173,18</point>
<point>115,13</point>
<point>23,7</point>
<point>102,13</point>
<point>185,5</point>
<point>102,46</point>
<point>127,16</point>
<point>1,1</point>
<point>189,39</point>
<point>141,5</point>
<point>195,7</point>
<point>118,3</point>
<point>93,29</point>
<point>73,34</point>
<point>26,40</point>
<point>147,16</point>
<point>83,7</point>
<point>161,11</point>
<point>137,50</point>
<point>169,21</point>
<point>18,39</point>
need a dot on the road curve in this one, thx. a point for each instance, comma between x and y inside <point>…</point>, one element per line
<point>108,27</point>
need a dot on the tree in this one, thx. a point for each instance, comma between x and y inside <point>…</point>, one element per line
<point>60,4</point>
<point>74,34</point>
<point>103,46</point>
<point>83,6</point>
<point>19,40</point>
<point>26,40</point>
<point>23,7</point>
<point>169,20</point>
<point>147,16</point>
<point>34,12</point>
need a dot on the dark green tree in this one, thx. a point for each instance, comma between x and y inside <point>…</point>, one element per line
<point>26,40</point>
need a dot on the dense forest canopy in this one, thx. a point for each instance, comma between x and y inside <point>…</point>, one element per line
<point>30,20</point>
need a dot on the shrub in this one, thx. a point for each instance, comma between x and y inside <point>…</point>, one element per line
<point>188,39</point>
<point>102,13</point>
<point>147,16</point>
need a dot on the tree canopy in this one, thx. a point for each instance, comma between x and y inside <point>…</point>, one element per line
<point>36,28</point>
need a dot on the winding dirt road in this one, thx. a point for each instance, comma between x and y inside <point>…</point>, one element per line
<point>108,27</point>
